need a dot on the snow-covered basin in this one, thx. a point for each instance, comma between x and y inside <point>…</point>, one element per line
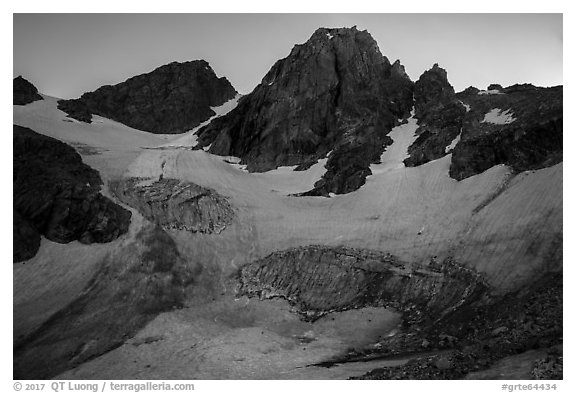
<point>414,213</point>
<point>487,221</point>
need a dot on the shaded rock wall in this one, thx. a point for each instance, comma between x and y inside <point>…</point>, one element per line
<point>58,196</point>
<point>174,204</point>
<point>171,99</point>
<point>24,92</point>
<point>320,279</point>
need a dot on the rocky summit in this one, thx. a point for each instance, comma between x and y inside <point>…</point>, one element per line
<point>171,99</point>
<point>24,92</point>
<point>335,95</point>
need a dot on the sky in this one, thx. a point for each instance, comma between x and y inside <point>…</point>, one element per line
<point>65,55</point>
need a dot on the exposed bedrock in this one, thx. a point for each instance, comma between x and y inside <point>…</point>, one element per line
<point>172,99</point>
<point>520,126</point>
<point>334,93</point>
<point>530,138</point>
<point>24,92</point>
<point>175,204</point>
<point>135,283</point>
<point>58,196</point>
<point>439,116</point>
<point>320,279</point>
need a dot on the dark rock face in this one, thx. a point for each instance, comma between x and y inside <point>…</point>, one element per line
<point>147,277</point>
<point>24,92</point>
<point>532,140</point>
<point>439,117</point>
<point>26,238</point>
<point>495,86</point>
<point>56,195</point>
<point>432,91</point>
<point>319,279</point>
<point>336,92</point>
<point>174,204</point>
<point>171,99</point>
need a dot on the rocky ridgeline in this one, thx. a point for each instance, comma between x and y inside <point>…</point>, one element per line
<point>532,138</point>
<point>57,196</point>
<point>336,92</point>
<point>319,279</point>
<point>24,92</point>
<point>175,204</point>
<point>172,99</point>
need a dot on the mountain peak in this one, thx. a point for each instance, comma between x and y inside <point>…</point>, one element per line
<point>346,96</point>
<point>432,89</point>
<point>173,98</point>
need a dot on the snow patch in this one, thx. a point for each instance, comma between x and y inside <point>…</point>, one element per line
<point>465,106</point>
<point>484,92</point>
<point>393,157</point>
<point>496,116</point>
<point>330,36</point>
<point>452,145</point>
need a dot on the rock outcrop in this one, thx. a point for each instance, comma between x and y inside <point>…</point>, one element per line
<point>172,99</point>
<point>58,196</point>
<point>320,279</point>
<point>174,204</point>
<point>24,92</point>
<point>335,93</point>
<point>520,126</point>
<point>439,117</point>
<point>530,137</point>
